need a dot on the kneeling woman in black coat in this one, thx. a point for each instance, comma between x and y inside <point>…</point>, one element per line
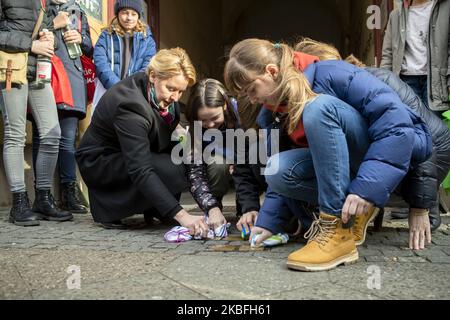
<point>124,156</point>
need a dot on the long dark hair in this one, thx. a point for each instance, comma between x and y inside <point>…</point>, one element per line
<point>210,93</point>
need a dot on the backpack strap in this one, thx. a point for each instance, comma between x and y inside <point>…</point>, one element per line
<point>39,21</point>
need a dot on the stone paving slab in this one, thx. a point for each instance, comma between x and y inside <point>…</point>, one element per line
<point>138,264</point>
<point>148,286</point>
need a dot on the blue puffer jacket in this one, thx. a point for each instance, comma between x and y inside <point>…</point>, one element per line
<point>384,166</point>
<point>144,48</point>
<point>390,122</point>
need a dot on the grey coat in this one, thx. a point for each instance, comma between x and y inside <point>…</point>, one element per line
<point>438,50</point>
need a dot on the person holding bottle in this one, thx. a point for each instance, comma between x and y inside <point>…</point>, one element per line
<point>18,20</point>
<point>72,37</point>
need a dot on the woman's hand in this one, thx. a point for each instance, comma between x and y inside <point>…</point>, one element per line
<point>247,221</point>
<point>72,36</point>
<point>47,36</point>
<point>196,225</point>
<point>264,234</point>
<point>216,218</point>
<point>44,48</point>
<point>61,20</point>
<point>419,229</point>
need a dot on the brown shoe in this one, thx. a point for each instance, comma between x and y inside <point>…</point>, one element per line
<point>361,223</point>
<point>329,246</point>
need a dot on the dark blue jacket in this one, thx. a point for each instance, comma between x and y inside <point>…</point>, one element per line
<point>144,48</point>
<point>74,68</point>
<point>391,123</point>
<point>383,165</point>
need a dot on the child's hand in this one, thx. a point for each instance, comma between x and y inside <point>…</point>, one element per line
<point>61,20</point>
<point>180,134</point>
<point>44,48</point>
<point>247,221</point>
<point>47,36</point>
<point>262,234</point>
<point>216,218</point>
<point>72,36</point>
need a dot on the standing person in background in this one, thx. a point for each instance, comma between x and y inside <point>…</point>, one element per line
<point>125,46</point>
<point>416,47</point>
<point>69,115</point>
<point>18,20</point>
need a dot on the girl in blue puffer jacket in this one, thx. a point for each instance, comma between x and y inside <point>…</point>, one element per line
<point>125,47</point>
<point>356,142</point>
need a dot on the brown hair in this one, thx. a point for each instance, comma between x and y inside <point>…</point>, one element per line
<point>115,26</point>
<point>210,93</point>
<point>355,61</point>
<point>250,57</point>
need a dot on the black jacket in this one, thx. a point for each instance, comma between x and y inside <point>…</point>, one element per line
<point>125,155</point>
<point>17,21</point>
<point>248,180</point>
<point>250,184</point>
<point>420,185</point>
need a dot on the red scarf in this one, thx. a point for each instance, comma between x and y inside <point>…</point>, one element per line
<point>301,62</point>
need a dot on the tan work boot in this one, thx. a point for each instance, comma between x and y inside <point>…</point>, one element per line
<point>329,246</point>
<point>361,223</point>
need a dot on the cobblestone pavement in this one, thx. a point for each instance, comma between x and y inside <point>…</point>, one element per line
<point>37,263</point>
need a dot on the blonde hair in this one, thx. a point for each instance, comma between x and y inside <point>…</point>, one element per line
<point>321,50</point>
<point>168,63</point>
<point>250,57</point>
<point>116,27</point>
<point>325,51</point>
<point>355,61</point>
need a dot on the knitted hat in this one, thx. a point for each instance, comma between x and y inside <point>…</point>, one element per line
<point>136,5</point>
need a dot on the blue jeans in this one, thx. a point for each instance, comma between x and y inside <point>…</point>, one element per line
<point>338,141</point>
<point>66,160</point>
<point>277,212</point>
<point>419,84</point>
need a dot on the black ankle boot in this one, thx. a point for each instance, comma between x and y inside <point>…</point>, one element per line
<point>46,206</point>
<point>114,225</point>
<point>70,200</point>
<point>435,217</point>
<point>148,217</point>
<point>21,213</point>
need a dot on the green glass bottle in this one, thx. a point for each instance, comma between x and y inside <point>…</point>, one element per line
<point>74,49</point>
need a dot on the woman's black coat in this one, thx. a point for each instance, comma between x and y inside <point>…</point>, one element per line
<point>125,155</point>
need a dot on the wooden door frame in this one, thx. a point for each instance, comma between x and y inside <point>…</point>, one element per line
<point>110,11</point>
<point>153,13</point>
<point>378,36</point>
